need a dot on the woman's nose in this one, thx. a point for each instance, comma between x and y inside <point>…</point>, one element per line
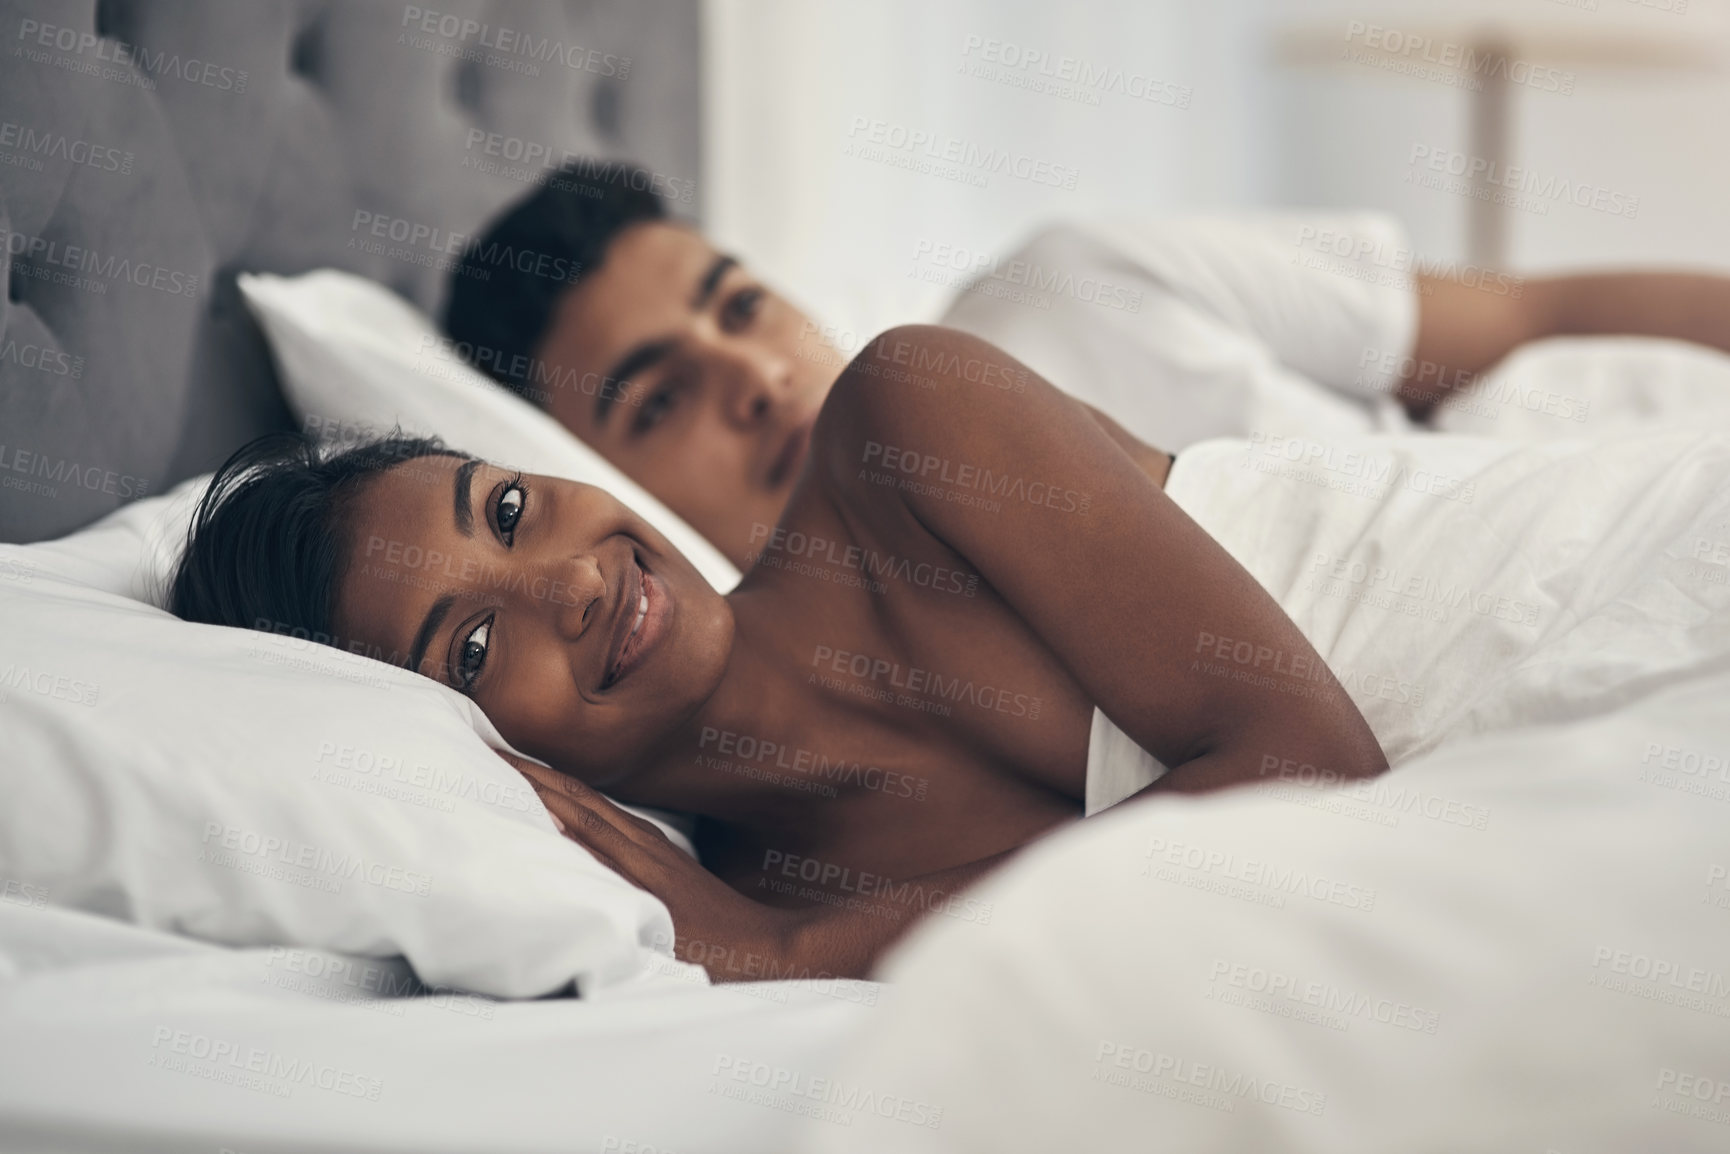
<point>575,593</point>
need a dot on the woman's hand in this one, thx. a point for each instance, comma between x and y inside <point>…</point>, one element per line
<point>725,932</point>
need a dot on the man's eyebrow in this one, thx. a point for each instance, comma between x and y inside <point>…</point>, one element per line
<point>647,353</point>
<point>628,366</point>
<point>463,509</point>
<point>711,280</point>
<point>423,637</point>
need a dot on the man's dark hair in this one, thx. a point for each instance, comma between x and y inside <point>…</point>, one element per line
<point>270,538</point>
<point>498,312</point>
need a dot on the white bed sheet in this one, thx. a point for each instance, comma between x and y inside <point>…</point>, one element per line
<point>101,1022</point>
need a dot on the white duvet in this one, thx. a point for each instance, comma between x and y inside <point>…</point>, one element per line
<point>1458,585</point>
<point>1517,939</point>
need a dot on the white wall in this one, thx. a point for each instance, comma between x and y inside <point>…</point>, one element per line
<point>1345,132</point>
<point>787,78</point>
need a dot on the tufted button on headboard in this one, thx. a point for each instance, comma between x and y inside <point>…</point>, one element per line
<point>152,149</point>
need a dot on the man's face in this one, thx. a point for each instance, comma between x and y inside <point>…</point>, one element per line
<point>699,382</point>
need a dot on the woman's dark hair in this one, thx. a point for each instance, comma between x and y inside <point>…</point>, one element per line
<point>504,290</point>
<point>269,540</point>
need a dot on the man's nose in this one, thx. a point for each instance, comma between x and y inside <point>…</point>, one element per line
<point>758,381</point>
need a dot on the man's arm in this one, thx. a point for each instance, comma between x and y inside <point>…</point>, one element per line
<point>1462,330</point>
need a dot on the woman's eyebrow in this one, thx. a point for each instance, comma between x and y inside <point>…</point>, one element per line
<point>460,500</point>
<point>428,627</point>
<point>463,512</point>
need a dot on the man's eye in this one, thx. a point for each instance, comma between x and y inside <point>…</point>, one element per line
<point>509,509</point>
<point>655,408</point>
<point>473,655</point>
<point>742,306</point>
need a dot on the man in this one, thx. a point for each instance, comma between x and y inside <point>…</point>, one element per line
<point>708,380</point>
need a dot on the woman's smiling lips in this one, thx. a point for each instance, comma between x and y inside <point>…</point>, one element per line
<point>645,607</point>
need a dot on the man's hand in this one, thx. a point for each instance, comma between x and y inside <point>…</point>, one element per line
<point>712,923</point>
<point>1462,331</point>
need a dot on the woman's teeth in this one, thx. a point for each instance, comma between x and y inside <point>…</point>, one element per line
<point>642,612</point>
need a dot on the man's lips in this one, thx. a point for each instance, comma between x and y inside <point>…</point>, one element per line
<point>640,620</point>
<point>792,455</point>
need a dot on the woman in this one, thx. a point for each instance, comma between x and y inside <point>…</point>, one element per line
<point>903,687</point>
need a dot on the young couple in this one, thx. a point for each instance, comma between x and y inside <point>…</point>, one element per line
<point>974,583</point>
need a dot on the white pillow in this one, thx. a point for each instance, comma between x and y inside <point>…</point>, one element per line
<point>255,789</point>
<point>356,359</point>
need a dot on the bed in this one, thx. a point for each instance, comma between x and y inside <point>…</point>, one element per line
<point>250,932</point>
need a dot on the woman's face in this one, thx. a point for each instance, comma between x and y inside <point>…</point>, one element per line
<point>584,636</point>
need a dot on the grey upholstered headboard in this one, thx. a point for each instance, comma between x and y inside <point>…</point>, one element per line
<point>152,149</point>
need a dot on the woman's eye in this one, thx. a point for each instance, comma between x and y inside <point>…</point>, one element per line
<point>473,655</point>
<point>510,508</point>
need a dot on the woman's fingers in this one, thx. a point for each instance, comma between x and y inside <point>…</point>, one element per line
<point>586,817</point>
